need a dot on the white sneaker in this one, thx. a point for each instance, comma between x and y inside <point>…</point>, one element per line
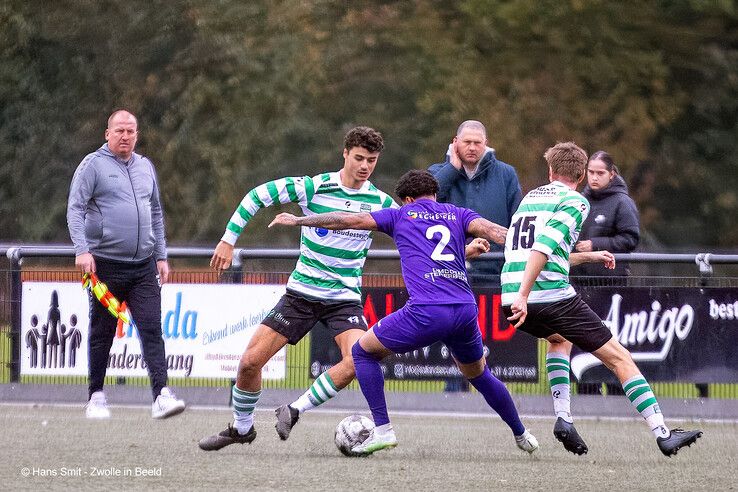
<point>166,405</point>
<point>527,442</point>
<point>376,442</point>
<point>97,407</point>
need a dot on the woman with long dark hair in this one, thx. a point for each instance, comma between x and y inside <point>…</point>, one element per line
<point>612,223</point>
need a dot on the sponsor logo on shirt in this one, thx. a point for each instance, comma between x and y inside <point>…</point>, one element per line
<point>362,235</point>
<point>445,273</point>
<point>321,232</point>
<point>324,187</point>
<point>431,215</point>
<point>365,207</point>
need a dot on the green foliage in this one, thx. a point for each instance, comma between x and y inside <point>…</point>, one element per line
<point>230,94</point>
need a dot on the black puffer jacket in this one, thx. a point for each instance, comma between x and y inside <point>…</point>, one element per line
<point>612,225</point>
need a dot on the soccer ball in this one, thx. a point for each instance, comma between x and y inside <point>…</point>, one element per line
<point>351,431</point>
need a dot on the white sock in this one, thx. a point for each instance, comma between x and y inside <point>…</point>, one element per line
<point>557,369</point>
<point>383,430</point>
<point>656,423</point>
<point>243,422</point>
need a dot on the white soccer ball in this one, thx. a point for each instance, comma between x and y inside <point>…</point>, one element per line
<point>351,431</point>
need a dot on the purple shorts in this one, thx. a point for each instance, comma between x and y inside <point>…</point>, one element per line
<point>417,326</point>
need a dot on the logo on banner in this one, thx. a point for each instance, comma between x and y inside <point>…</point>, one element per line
<point>53,344</point>
<point>658,328</point>
<point>720,310</point>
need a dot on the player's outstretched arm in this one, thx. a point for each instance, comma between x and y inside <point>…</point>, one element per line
<point>330,220</point>
<point>593,257</point>
<point>490,231</point>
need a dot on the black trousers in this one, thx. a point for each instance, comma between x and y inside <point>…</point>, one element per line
<point>138,285</point>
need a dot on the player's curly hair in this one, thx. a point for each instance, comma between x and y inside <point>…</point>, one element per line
<point>416,183</point>
<point>567,160</point>
<point>363,136</point>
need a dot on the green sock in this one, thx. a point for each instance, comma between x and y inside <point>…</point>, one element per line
<point>320,392</point>
<point>244,403</point>
<point>640,395</point>
<point>557,369</point>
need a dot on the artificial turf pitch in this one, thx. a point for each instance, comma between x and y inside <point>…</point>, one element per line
<point>60,449</point>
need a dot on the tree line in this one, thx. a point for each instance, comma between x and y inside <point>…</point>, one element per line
<point>230,94</point>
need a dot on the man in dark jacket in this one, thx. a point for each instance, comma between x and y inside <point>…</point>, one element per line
<point>612,225</point>
<point>472,177</point>
<point>116,223</point>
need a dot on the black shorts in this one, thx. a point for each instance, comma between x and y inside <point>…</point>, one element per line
<point>294,316</point>
<point>571,318</point>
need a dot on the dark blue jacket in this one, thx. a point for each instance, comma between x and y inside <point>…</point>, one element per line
<point>494,192</point>
<point>612,225</point>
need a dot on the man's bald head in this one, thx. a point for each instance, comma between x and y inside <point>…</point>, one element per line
<point>122,114</point>
<point>473,125</point>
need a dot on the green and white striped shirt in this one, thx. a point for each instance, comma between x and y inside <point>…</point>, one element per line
<point>331,262</point>
<point>548,220</point>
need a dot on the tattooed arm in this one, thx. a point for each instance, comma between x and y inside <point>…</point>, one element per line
<point>330,220</point>
<point>488,230</point>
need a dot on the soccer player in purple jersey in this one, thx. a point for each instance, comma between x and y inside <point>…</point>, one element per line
<point>431,238</point>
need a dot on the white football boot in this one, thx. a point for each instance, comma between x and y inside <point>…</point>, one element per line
<point>527,442</point>
<point>378,439</point>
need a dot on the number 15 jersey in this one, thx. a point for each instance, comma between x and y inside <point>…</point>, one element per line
<point>548,220</point>
<point>431,239</point>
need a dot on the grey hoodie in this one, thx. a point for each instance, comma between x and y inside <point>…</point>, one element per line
<point>114,210</point>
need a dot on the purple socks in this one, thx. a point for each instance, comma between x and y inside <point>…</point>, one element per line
<point>371,380</point>
<point>497,397</point>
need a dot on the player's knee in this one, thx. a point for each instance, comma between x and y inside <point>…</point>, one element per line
<point>249,365</point>
<point>358,352</point>
<point>473,370</point>
<point>559,344</point>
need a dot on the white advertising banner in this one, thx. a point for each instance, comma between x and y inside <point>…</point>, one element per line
<point>205,327</point>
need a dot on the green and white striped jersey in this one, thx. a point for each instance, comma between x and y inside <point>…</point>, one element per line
<point>548,220</point>
<point>331,262</point>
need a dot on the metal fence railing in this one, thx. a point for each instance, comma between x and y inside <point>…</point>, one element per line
<point>265,266</point>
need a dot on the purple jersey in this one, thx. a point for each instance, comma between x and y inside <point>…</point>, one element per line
<point>431,238</point>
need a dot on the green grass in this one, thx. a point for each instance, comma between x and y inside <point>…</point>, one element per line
<point>434,453</point>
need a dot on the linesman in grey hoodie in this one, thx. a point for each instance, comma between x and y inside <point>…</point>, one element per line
<point>116,223</point>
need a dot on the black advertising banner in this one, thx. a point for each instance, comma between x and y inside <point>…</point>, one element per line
<point>511,355</point>
<point>685,334</point>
